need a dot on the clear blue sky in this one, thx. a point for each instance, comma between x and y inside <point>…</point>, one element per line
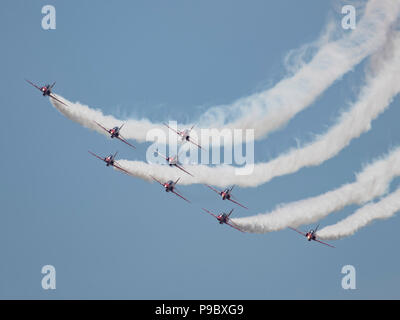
<point>112,236</point>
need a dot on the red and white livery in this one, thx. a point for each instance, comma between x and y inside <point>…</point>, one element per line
<point>312,235</point>
<point>173,161</point>
<point>170,186</point>
<point>110,161</point>
<point>226,194</point>
<point>185,135</point>
<point>46,91</point>
<point>115,133</point>
<point>224,218</point>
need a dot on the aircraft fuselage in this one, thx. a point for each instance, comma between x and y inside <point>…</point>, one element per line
<point>310,236</point>
<point>114,132</point>
<point>225,195</point>
<point>46,90</point>
<point>169,186</point>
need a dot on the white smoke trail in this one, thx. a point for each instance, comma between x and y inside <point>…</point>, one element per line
<point>372,182</point>
<point>85,116</point>
<point>383,83</point>
<point>273,108</point>
<point>383,209</point>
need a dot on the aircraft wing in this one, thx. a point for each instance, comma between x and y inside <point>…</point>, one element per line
<point>33,84</point>
<point>102,126</point>
<point>298,231</point>
<point>219,192</point>
<point>157,181</point>
<point>159,153</point>
<point>238,203</point>
<point>93,154</point>
<point>180,196</point>
<point>55,98</point>
<point>210,213</point>
<point>179,167</point>
<point>172,129</point>
<point>116,165</point>
<point>231,224</point>
<point>124,141</point>
<point>190,140</point>
<point>324,243</point>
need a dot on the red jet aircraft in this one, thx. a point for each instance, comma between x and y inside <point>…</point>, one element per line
<point>224,218</point>
<point>185,135</point>
<point>110,161</point>
<point>115,133</point>
<point>173,161</point>
<point>311,235</point>
<point>226,194</point>
<point>170,187</point>
<point>46,91</point>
